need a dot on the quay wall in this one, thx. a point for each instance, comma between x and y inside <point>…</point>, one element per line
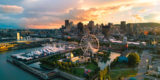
<point>40,74</point>
<point>30,69</point>
<point>67,75</point>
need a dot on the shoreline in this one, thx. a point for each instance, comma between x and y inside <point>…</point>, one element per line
<point>40,74</point>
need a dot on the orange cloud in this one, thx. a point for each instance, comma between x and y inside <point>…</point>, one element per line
<point>142,10</point>
<point>10,9</point>
<point>49,26</point>
<point>96,14</point>
<point>138,17</point>
<point>44,22</point>
<point>85,10</point>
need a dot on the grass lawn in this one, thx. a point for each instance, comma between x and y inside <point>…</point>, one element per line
<point>123,73</point>
<point>91,66</point>
<point>146,79</point>
<point>120,66</point>
<point>78,72</point>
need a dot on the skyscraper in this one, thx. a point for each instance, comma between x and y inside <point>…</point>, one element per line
<point>106,30</point>
<point>130,29</point>
<point>66,23</point>
<point>80,28</point>
<point>68,26</point>
<point>91,26</point>
<point>123,25</point>
<point>110,25</point>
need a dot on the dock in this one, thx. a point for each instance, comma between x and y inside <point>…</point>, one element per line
<point>39,74</point>
<point>25,67</point>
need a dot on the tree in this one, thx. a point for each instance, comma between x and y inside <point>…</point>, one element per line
<point>70,64</point>
<point>108,77</point>
<point>63,67</point>
<point>103,74</point>
<point>74,65</point>
<point>68,69</point>
<point>54,63</point>
<point>60,63</point>
<point>121,78</point>
<point>133,59</point>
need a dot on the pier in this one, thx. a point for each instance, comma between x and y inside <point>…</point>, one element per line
<point>42,75</point>
<point>29,69</point>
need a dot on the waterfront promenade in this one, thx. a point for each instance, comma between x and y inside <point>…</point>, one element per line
<point>13,71</point>
<point>35,71</point>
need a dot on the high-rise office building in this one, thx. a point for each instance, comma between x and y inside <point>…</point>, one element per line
<point>91,26</point>
<point>123,25</point>
<point>106,30</point>
<point>66,23</point>
<point>68,26</point>
<point>80,27</point>
<point>110,25</point>
<point>130,29</point>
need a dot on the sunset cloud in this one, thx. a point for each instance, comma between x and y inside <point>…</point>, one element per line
<point>52,13</point>
<point>10,9</point>
<point>153,17</point>
<point>138,17</point>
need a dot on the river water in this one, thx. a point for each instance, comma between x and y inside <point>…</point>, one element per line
<point>11,72</point>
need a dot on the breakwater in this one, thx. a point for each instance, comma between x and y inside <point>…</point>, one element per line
<point>29,69</point>
<point>67,75</point>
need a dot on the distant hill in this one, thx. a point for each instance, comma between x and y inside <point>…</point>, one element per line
<point>152,25</point>
<point>144,25</point>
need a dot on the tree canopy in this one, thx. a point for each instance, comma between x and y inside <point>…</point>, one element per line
<point>133,59</point>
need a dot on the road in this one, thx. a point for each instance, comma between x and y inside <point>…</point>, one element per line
<point>142,67</point>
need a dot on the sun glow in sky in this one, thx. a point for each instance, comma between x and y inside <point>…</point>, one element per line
<point>50,14</point>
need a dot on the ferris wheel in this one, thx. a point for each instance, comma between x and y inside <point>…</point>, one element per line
<point>89,44</point>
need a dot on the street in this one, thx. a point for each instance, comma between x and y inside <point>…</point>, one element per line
<point>142,67</point>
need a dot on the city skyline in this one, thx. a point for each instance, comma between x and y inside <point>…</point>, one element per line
<point>50,14</point>
<point>79,40</point>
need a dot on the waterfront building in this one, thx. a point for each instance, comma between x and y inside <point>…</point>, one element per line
<point>71,57</point>
<point>74,59</point>
<point>18,36</point>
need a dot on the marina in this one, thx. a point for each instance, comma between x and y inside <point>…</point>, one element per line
<point>40,53</point>
<point>29,61</point>
<point>12,70</point>
<point>19,57</point>
<point>79,40</point>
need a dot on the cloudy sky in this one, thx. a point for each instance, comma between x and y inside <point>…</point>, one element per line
<point>50,14</point>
